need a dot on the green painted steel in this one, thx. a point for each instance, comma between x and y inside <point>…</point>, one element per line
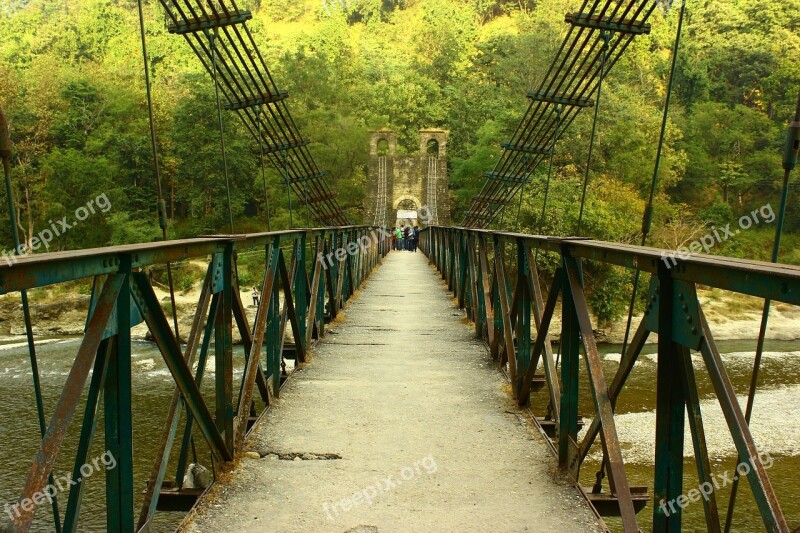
<point>523,310</point>
<point>695,419</point>
<point>561,100</point>
<point>117,402</point>
<point>88,430</point>
<point>673,311</point>
<point>223,353</point>
<point>463,269</point>
<point>198,378</point>
<point>196,25</point>
<point>670,417</point>
<point>301,285</point>
<point>127,298</point>
<point>586,20</point>
<point>570,365</point>
<point>274,327</point>
<point>65,408</point>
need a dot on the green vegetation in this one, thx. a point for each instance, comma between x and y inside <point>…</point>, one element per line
<point>71,82</point>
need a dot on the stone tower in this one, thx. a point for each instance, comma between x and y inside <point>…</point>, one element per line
<point>405,187</point>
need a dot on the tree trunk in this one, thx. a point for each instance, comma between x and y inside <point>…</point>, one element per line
<point>27,232</point>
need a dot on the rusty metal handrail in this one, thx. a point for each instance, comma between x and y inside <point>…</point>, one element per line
<point>312,294</point>
<point>476,266</point>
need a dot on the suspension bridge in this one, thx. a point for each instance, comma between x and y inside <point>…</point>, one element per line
<point>451,403</point>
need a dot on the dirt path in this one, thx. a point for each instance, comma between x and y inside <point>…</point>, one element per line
<point>399,424</point>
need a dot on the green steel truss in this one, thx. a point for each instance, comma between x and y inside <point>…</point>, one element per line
<point>495,279</point>
<point>308,276</point>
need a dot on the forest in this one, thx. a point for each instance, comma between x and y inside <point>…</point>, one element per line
<point>72,85</point>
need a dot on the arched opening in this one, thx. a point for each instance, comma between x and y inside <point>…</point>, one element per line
<point>407,213</point>
<point>407,205</point>
<point>433,148</point>
<point>383,148</point>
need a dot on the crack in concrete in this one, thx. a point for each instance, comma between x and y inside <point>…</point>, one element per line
<point>302,456</point>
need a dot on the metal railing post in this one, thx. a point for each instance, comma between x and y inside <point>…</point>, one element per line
<point>670,417</point>
<point>223,352</point>
<point>117,400</point>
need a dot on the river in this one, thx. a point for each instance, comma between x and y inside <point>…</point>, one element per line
<point>152,390</point>
<point>776,425</point>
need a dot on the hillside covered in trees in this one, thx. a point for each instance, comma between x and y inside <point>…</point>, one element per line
<point>71,82</point>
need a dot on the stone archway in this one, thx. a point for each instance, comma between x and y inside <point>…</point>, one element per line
<point>407,203</point>
<point>407,208</point>
<point>418,176</point>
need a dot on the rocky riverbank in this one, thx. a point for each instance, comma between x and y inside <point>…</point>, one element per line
<point>55,315</point>
<point>731,316</point>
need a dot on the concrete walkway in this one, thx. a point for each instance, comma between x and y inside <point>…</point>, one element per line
<point>400,423</point>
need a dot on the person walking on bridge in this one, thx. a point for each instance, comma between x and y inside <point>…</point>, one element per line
<point>415,237</point>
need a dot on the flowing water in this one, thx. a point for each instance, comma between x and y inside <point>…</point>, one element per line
<point>776,426</point>
<point>19,430</point>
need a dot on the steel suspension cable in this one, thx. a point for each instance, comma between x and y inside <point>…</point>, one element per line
<point>519,207</point>
<point>559,110</point>
<point>647,218</point>
<point>212,38</point>
<point>245,81</point>
<point>789,163</point>
<point>648,213</point>
<point>489,201</point>
<point>263,170</point>
<point>5,155</point>
<point>288,189</point>
<point>605,37</point>
<point>162,206</point>
<point>305,202</point>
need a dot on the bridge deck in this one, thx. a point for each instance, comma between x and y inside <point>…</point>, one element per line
<point>424,427</point>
